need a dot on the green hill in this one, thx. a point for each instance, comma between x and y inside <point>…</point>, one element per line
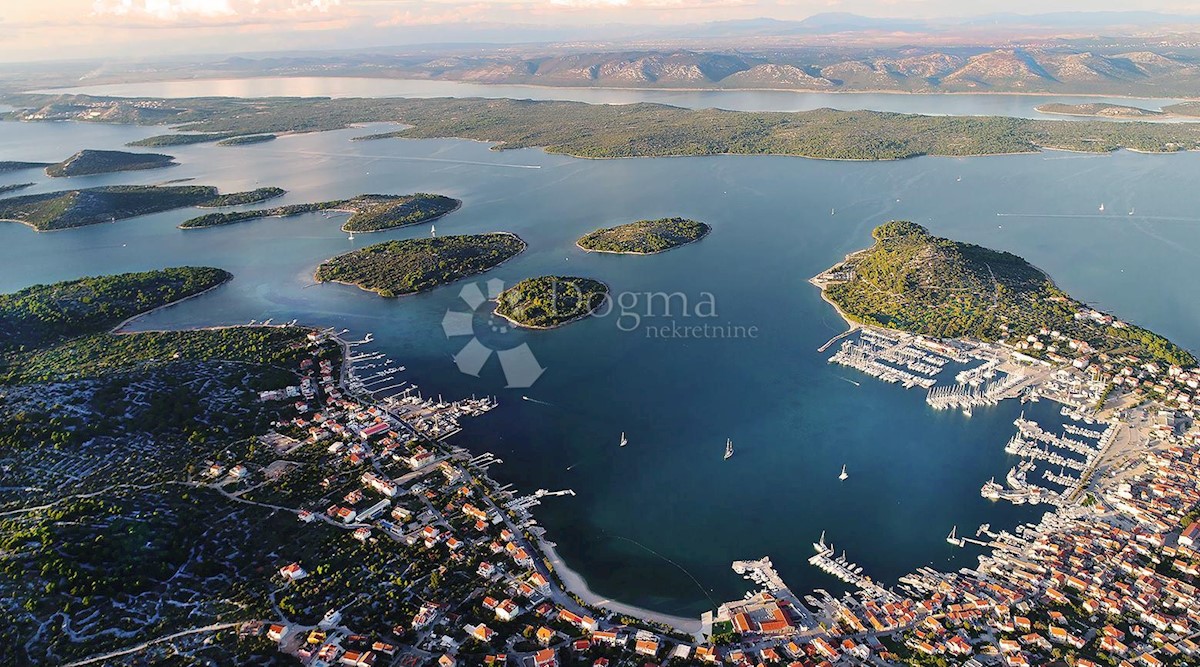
<point>414,265</point>
<point>106,162</point>
<point>370,213</point>
<point>645,237</point>
<point>913,281</point>
<point>43,314</point>
<point>546,302</point>
<point>76,208</point>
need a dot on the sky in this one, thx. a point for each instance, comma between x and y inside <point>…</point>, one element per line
<point>57,29</point>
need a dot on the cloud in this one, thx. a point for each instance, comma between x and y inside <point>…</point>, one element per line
<point>177,10</point>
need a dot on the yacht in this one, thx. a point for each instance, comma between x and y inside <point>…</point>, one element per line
<point>1101,208</point>
<point>728,448</point>
<point>844,475</point>
<point>624,441</point>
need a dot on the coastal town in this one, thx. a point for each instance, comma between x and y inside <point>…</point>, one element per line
<point>1107,577</point>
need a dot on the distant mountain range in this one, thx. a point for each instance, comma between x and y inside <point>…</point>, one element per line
<point>1057,70</point>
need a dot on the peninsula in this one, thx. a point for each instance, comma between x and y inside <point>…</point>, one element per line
<point>65,209</point>
<point>913,281</point>
<point>1101,110</point>
<point>547,302</point>
<point>644,237</point>
<point>246,139</point>
<point>395,268</point>
<point>12,187</point>
<point>369,213</point>
<point>629,130</point>
<point>89,162</point>
<point>10,165</point>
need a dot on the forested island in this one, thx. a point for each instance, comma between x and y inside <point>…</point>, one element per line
<point>1100,110</point>
<point>644,237</point>
<point>88,162</point>
<point>395,268</point>
<point>65,209</point>
<point>369,213</point>
<point>547,302</point>
<point>631,130</point>
<point>11,165</point>
<point>13,187</point>
<point>913,281</point>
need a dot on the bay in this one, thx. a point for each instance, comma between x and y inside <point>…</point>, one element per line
<point>658,522</point>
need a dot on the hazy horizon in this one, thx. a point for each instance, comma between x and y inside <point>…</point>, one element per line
<point>66,29</point>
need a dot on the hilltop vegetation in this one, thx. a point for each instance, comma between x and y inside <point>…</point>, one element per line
<point>645,237</point>
<point>914,281</point>
<point>43,314</point>
<point>546,302</point>
<point>87,162</point>
<point>370,213</point>
<point>240,198</point>
<point>643,130</point>
<point>10,165</point>
<point>76,208</point>
<point>413,265</point>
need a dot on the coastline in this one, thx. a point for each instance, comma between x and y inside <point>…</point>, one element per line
<point>318,281</point>
<point>496,311</point>
<point>63,90</point>
<point>439,216</point>
<point>707,231</point>
<point>125,323</point>
<point>573,582</point>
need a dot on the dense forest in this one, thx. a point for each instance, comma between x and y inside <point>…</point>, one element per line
<point>87,162</point>
<point>76,208</point>
<point>914,281</point>
<point>413,265</point>
<point>551,301</point>
<point>645,237</point>
<point>239,198</point>
<point>370,213</point>
<point>635,130</point>
<point>43,314</point>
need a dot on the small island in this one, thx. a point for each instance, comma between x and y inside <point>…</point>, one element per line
<point>11,165</point>
<point>246,139</point>
<point>13,187</point>
<point>913,281</point>
<point>89,162</point>
<point>395,268</point>
<point>1100,110</point>
<point>369,213</point>
<point>65,209</point>
<point>645,237</point>
<point>547,302</point>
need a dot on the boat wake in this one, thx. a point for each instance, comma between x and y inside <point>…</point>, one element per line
<point>856,384</point>
<point>534,400</point>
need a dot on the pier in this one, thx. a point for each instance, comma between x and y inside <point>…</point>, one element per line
<point>843,569</point>
<point>865,357</point>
